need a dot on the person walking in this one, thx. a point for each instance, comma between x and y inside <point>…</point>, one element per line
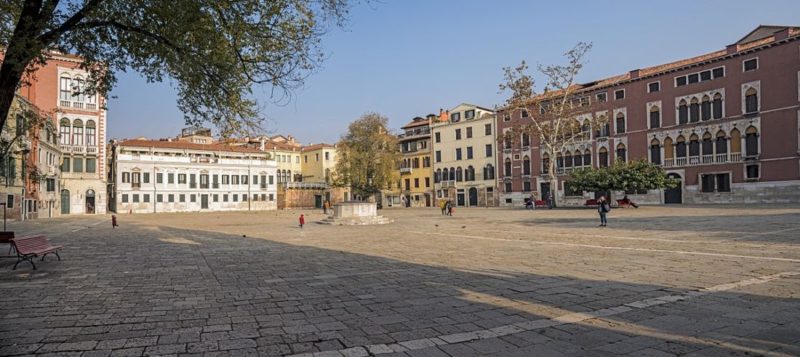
<point>325,206</point>
<point>603,208</point>
<point>302,221</point>
<point>449,208</point>
<point>550,200</point>
<point>443,205</point>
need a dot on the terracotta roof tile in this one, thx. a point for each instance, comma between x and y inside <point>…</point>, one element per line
<point>317,147</point>
<point>189,146</point>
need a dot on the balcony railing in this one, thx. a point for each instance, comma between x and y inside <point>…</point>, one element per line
<point>91,149</point>
<point>448,183</point>
<point>64,103</point>
<point>91,106</point>
<point>305,185</point>
<point>703,160</point>
<point>405,170</point>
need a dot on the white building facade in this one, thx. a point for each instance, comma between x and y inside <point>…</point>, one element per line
<point>151,176</point>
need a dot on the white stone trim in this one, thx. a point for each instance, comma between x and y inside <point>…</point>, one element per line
<point>616,111</point>
<point>758,64</point>
<point>745,86</point>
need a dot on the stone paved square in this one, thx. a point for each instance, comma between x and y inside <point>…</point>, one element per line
<point>659,281</point>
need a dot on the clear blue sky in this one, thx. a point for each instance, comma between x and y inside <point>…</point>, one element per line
<point>407,58</point>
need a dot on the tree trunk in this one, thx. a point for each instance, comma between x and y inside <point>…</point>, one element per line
<point>23,47</point>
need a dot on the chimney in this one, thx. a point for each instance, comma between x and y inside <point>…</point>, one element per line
<point>782,34</point>
<point>634,74</point>
<point>731,49</point>
<point>262,147</point>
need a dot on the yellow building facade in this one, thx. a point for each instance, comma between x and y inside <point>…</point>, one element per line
<point>416,169</point>
<point>318,163</point>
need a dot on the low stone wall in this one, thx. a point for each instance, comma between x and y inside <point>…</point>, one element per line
<point>749,192</point>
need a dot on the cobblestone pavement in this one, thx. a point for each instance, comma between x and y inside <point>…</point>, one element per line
<point>659,281</point>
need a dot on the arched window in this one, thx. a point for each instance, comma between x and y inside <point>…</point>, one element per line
<point>568,160</point>
<point>526,140</point>
<point>470,173</point>
<point>708,145</point>
<point>736,141</point>
<point>717,106</point>
<point>751,100</point>
<point>545,163</point>
<point>507,143</point>
<point>65,89</point>
<point>751,141</point>
<point>79,85</point>
<point>507,169</point>
<point>705,109</point>
<point>91,133</point>
<point>77,132</point>
<point>452,174</point>
<point>680,147</point>
<point>620,123</point>
<point>669,151</point>
<point>655,117</point>
<point>603,127</point>
<point>526,165</point>
<point>602,156</point>
<point>459,174</point>
<point>655,152</point>
<point>586,129</point>
<point>622,154</point>
<point>437,177</point>
<point>289,175</point>
<point>559,160</point>
<point>64,132</point>
<point>694,145</point>
<point>577,158</point>
<point>721,143</point>
<point>683,112</point>
<point>694,111</point>
<point>587,157</point>
<point>488,172</point>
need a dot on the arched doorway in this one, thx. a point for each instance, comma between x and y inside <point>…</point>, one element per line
<point>64,202</point>
<point>674,195</point>
<point>89,201</point>
<point>473,196</point>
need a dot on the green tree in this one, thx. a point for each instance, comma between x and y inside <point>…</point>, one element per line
<point>367,156</point>
<point>214,50</point>
<point>637,175</point>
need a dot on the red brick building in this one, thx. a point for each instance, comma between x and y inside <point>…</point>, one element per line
<point>724,123</point>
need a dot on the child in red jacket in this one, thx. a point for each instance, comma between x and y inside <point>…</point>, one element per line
<point>302,220</point>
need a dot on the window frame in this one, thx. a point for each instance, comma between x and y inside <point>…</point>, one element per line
<point>744,64</point>
<point>616,97</point>
<point>657,89</point>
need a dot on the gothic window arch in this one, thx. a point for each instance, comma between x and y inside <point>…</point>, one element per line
<point>64,131</point>
<point>717,106</point>
<point>602,155</point>
<point>655,117</point>
<point>526,140</point>
<point>721,143</point>
<point>452,174</point>
<point>545,163</point>
<point>622,152</point>
<point>655,151</point>
<point>577,158</point>
<point>694,145</point>
<point>437,177</point>
<point>507,168</point>
<point>751,141</point>
<point>705,109</point>
<point>708,145</point>
<point>91,133</point>
<point>694,110</point>
<point>526,165</point>
<point>751,100</point>
<point>620,123</point>
<point>587,157</point>
<point>669,151</point>
<point>568,159</point>
<point>680,147</point>
<point>736,141</point>
<point>683,112</point>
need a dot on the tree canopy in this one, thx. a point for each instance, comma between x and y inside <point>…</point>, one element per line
<point>367,156</point>
<point>214,50</point>
<point>629,176</point>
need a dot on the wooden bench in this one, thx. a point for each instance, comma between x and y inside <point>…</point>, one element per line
<point>591,203</point>
<point>624,203</point>
<point>31,247</point>
<point>540,203</point>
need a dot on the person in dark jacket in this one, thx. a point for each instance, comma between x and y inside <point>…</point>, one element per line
<point>603,208</point>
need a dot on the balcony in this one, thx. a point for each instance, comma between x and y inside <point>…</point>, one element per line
<point>405,170</point>
<point>64,103</point>
<point>91,150</point>
<point>305,185</point>
<point>91,106</point>
<point>448,183</point>
<point>708,159</point>
<point>703,160</point>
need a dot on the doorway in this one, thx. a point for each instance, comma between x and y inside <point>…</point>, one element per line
<point>545,190</point>
<point>203,201</point>
<point>317,201</point>
<point>460,198</point>
<point>89,201</point>
<point>64,202</point>
<point>473,196</point>
<point>674,195</point>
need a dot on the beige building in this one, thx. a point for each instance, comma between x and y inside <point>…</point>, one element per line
<point>464,156</point>
<point>416,169</point>
<point>318,162</point>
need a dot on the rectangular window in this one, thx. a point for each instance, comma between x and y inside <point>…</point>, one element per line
<point>718,72</point>
<point>124,198</point>
<point>135,198</point>
<point>619,94</point>
<point>416,183</point>
<point>680,81</point>
<point>66,165</point>
<point>234,179</point>
<point>489,151</point>
<point>469,132</point>
<point>458,134</point>
<point>454,117</point>
<point>525,113</point>
<point>427,182</point>
<point>146,177</point>
<point>653,87</point>
<point>271,197</point>
<point>77,164</point>
<point>271,179</point>
<point>438,156</point>
<point>182,179</point>
<point>255,179</point>
<point>192,198</point>
<point>126,177</point>
<point>182,198</point>
<point>159,177</point>
<point>51,185</point>
<point>171,197</point>
<point>750,65</point>
<point>707,183</point>
<point>159,198</point>
<point>170,178</point>
<point>215,181</point>
<point>601,97</point>
<point>408,184</point>
<point>146,198</point>
<point>316,157</point>
<point>752,172</point>
<point>203,180</point>
<point>244,180</point>
<point>508,187</point>
<point>705,76</point>
<point>235,197</point>
<point>327,156</point>
<point>192,181</point>
<point>487,129</point>
<point>437,137</point>
<point>723,183</point>
<point>526,186</point>
<point>91,165</point>
<point>225,179</point>
<point>469,152</point>
<point>216,198</point>
<point>693,78</point>
<point>458,154</point>
<point>225,197</point>
<point>469,114</point>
